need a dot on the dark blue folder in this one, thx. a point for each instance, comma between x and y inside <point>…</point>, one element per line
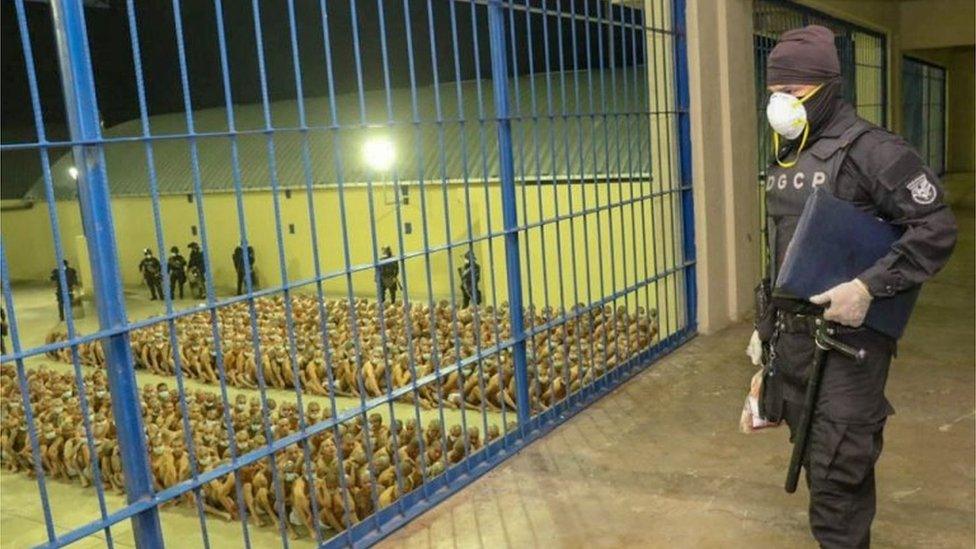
<point>833,243</point>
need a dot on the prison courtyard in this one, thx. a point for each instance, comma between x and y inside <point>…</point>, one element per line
<point>597,273</point>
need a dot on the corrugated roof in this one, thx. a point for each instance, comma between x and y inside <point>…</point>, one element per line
<point>469,146</point>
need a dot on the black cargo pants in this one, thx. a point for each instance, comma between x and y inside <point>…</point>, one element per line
<point>846,433</point>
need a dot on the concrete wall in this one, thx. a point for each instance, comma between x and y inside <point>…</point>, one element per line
<point>723,128</point>
<point>578,260</point>
<point>937,23</point>
<point>960,65</point>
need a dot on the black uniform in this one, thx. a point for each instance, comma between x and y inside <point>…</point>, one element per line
<point>71,279</point>
<point>3,331</point>
<point>196,271</point>
<point>239,267</point>
<point>388,273</point>
<point>152,274</point>
<point>880,173</point>
<point>470,275</point>
<point>177,273</point>
<point>196,260</point>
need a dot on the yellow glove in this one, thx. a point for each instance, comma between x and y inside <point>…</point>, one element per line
<point>849,303</point>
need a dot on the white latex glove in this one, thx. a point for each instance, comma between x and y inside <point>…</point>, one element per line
<point>754,349</point>
<point>849,303</point>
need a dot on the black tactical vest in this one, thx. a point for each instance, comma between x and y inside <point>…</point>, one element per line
<point>787,189</point>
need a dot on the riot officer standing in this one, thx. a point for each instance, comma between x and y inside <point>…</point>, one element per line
<point>828,145</point>
<point>71,279</point>
<point>152,274</point>
<point>177,271</point>
<point>470,274</point>
<point>3,331</point>
<point>388,273</point>
<point>196,269</point>
<point>238,258</point>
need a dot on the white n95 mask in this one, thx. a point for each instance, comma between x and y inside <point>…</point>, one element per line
<point>786,114</point>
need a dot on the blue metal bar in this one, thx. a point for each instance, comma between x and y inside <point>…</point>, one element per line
<point>461,379</point>
<point>569,194</point>
<point>292,346</point>
<point>381,309</point>
<point>581,153</point>
<point>276,208</point>
<point>68,307</point>
<point>436,356</point>
<point>84,123</point>
<point>25,402</point>
<point>198,200</point>
<point>593,149</point>
<point>551,119</point>
<point>535,366</point>
<point>535,388</point>
<point>161,246</point>
<point>408,328</point>
<point>615,152</point>
<point>662,127</point>
<point>499,71</point>
<point>334,113</point>
<point>642,99</point>
<point>684,155</point>
<point>411,352</point>
<point>347,256</point>
<point>472,280</point>
<point>482,139</point>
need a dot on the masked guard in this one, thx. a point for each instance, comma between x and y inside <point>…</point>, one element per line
<point>820,142</point>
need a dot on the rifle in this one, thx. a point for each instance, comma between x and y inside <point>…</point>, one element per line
<point>824,342</point>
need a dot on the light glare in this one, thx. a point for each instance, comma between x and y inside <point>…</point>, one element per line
<point>378,153</point>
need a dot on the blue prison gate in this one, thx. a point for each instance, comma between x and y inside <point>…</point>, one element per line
<point>923,89</point>
<point>526,164</point>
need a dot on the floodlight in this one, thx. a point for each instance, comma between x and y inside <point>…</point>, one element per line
<point>378,153</point>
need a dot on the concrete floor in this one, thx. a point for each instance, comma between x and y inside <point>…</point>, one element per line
<point>660,462</point>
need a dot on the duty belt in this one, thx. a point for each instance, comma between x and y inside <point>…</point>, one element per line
<point>795,323</point>
<point>791,323</point>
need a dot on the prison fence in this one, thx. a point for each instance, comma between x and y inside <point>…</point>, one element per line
<point>453,225</point>
<point>864,71</point>
<point>923,86</point>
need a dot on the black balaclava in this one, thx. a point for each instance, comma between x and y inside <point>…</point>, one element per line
<point>808,56</point>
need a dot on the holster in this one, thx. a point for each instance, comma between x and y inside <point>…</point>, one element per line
<point>771,396</point>
<point>765,311</point>
<point>771,391</point>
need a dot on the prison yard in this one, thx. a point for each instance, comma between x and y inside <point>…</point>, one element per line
<point>431,355</point>
<point>437,273</point>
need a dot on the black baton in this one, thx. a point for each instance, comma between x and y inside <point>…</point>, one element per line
<point>824,342</point>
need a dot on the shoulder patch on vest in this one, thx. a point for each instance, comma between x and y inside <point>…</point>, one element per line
<point>923,191</point>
